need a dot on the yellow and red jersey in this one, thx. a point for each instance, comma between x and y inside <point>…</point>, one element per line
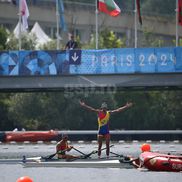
<point>103,122</point>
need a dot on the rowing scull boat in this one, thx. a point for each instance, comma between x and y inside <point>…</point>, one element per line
<point>79,163</point>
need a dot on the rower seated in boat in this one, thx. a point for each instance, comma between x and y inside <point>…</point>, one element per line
<point>62,148</point>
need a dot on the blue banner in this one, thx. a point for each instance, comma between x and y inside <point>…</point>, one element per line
<point>106,61</point>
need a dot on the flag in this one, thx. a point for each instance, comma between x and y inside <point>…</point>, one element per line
<point>180,12</point>
<point>139,13</point>
<point>109,7</point>
<point>24,14</point>
<point>61,13</point>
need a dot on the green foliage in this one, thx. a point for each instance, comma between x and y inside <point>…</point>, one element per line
<point>152,110</point>
<point>54,110</point>
<point>5,122</point>
<point>150,40</point>
<point>51,45</point>
<point>107,39</point>
<point>3,38</point>
<point>28,42</point>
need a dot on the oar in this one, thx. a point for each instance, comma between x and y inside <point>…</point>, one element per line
<point>52,155</point>
<point>117,155</point>
<point>79,151</point>
<point>95,152</point>
<point>125,159</point>
<point>49,156</point>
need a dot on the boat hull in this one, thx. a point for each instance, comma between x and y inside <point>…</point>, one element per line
<point>79,164</point>
<point>31,136</point>
<point>161,162</point>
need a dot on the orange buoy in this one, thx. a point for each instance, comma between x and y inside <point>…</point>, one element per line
<point>145,147</point>
<point>24,179</point>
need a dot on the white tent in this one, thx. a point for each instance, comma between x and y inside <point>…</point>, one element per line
<point>16,30</point>
<point>41,36</point>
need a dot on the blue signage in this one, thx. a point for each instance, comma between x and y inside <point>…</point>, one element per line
<point>75,57</point>
<point>105,61</point>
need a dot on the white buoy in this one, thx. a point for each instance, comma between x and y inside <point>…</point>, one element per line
<point>53,142</point>
<point>26,142</point>
<point>135,141</point>
<point>94,141</point>
<point>148,141</point>
<point>121,141</point>
<point>162,141</point>
<point>176,141</point>
<point>81,142</point>
<point>40,142</point>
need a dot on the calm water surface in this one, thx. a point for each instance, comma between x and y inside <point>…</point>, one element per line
<point>9,172</point>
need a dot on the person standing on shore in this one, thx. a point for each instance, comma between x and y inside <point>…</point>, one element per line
<point>71,44</point>
<point>103,123</point>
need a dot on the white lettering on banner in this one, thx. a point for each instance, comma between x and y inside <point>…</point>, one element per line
<point>94,60</point>
<point>128,60</point>
<point>164,60</point>
<point>104,61</point>
<point>113,60</point>
<point>173,58</point>
<point>141,60</point>
<point>152,59</point>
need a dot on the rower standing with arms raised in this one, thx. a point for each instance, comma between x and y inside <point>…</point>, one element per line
<point>103,123</point>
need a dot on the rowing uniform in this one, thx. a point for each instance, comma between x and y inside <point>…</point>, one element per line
<point>61,147</point>
<point>103,123</point>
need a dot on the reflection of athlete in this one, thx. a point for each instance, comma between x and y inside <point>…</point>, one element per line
<point>103,123</point>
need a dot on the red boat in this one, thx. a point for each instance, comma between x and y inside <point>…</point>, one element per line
<point>32,136</point>
<point>160,162</point>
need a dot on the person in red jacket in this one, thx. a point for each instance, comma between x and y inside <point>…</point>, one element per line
<point>103,115</point>
<point>62,148</point>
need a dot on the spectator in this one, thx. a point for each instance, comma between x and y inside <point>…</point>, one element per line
<point>71,44</point>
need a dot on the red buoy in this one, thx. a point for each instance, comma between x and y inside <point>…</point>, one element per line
<point>145,147</point>
<point>24,179</point>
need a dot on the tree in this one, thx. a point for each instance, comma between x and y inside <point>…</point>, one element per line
<point>3,38</point>
<point>51,45</point>
<point>28,42</point>
<point>107,39</point>
<point>5,122</point>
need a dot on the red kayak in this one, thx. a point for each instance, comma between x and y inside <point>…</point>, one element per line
<point>31,136</point>
<point>160,162</point>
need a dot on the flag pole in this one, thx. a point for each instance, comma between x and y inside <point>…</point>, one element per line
<point>57,24</point>
<point>135,20</point>
<point>177,33</point>
<point>96,25</point>
<point>19,28</point>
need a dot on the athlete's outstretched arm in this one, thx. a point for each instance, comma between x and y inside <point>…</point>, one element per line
<point>120,109</point>
<point>82,103</point>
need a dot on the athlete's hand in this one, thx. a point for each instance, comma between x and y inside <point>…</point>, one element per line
<point>129,104</point>
<point>82,103</point>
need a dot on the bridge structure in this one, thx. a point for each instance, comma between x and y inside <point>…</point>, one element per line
<point>89,70</point>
